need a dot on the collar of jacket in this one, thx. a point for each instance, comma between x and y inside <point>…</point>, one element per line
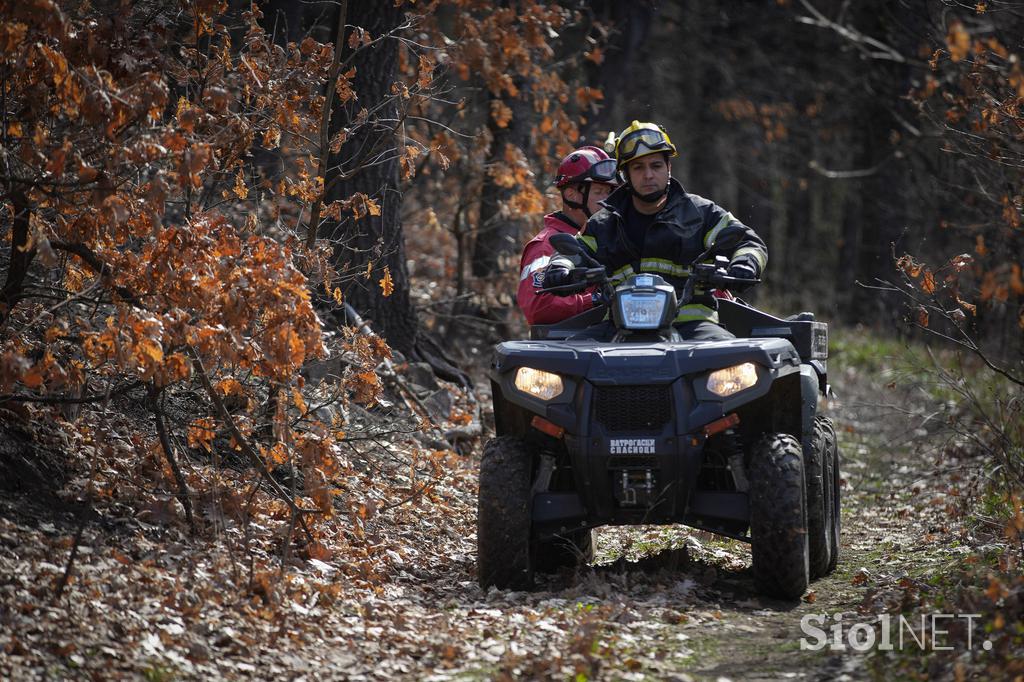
<point>618,201</point>
<point>561,222</point>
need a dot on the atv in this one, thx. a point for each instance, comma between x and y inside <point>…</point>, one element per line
<point>622,422</point>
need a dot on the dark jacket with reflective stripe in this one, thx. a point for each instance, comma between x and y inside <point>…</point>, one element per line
<point>682,230</point>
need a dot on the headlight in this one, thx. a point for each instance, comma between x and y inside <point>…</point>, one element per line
<point>539,384</point>
<point>642,310</point>
<point>725,382</point>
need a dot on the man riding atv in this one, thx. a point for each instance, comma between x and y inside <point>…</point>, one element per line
<point>670,419</point>
<point>651,224</point>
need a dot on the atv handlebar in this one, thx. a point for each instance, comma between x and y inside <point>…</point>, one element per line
<point>589,272</point>
<point>715,276</point>
<point>584,278</point>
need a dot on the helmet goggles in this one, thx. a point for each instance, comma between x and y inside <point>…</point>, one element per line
<point>601,171</point>
<point>629,147</point>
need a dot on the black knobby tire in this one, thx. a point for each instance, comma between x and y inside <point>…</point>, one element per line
<point>819,500</point>
<point>503,518</point>
<point>832,493</point>
<point>778,517</point>
<point>569,549</point>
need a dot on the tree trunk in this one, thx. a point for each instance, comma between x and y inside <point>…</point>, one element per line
<point>367,163</point>
<point>20,258</point>
<point>500,234</point>
<point>372,244</point>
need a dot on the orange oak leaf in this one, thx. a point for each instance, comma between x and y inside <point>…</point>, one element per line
<point>387,285</point>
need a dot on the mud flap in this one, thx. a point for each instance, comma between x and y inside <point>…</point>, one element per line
<point>809,403</point>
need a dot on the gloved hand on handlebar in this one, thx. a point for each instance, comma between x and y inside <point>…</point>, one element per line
<point>598,298</point>
<point>741,271</point>
<point>557,275</point>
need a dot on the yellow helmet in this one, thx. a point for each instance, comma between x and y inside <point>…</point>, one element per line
<point>642,139</point>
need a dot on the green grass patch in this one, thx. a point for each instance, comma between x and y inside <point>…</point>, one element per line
<point>864,350</point>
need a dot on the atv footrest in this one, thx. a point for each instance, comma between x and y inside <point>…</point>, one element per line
<point>561,507</point>
<point>719,505</point>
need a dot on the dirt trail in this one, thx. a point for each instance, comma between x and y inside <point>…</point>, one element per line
<point>883,475</point>
<point>673,603</point>
<point>703,588</point>
<point>661,603</point>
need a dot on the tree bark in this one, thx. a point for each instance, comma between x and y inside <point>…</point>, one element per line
<point>20,258</point>
<point>499,234</point>
<point>372,243</point>
<point>367,163</point>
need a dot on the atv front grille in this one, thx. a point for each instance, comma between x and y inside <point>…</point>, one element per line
<point>633,408</point>
<point>632,462</point>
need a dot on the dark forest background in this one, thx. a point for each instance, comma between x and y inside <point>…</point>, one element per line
<point>813,121</point>
<point>253,255</point>
<point>217,191</point>
<point>850,135</point>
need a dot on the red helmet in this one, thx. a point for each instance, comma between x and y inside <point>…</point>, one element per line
<point>586,164</point>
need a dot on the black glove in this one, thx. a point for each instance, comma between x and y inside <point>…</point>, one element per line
<point>741,271</point>
<point>557,275</point>
<point>598,298</point>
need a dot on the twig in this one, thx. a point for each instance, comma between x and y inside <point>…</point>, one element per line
<point>418,407</point>
<point>853,35</point>
<point>81,295</point>
<point>286,549</point>
<point>98,266</point>
<point>409,498</point>
<point>71,559</point>
<point>84,517</point>
<point>846,174</point>
<point>22,253</point>
<point>165,443</point>
<point>965,340</point>
<point>325,126</point>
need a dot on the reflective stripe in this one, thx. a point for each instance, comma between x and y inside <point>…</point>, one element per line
<point>664,266</point>
<point>621,274</point>
<point>760,256</point>
<point>534,266</point>
<point>711,236</point>
<point>591,242</point>
<point>696,312</point>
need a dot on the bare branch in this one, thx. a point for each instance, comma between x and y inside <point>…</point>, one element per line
<point>325,126</point>
<point>65,400</point>
<point>165,443</point>
<point>859,40</point>
<point>97,265</point>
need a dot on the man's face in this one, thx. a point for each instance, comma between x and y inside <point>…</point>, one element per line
<point>649,173</point>
<point>599,191</point>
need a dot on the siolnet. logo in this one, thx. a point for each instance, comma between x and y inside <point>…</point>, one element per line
<point>931,632</point>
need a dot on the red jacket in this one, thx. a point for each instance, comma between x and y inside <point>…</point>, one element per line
<point>538,306</point>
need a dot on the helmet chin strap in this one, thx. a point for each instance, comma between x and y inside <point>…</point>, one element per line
<point>651,197</point>
<point>586,200</point>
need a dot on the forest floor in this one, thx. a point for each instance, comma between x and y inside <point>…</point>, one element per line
<point>147,601</point>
